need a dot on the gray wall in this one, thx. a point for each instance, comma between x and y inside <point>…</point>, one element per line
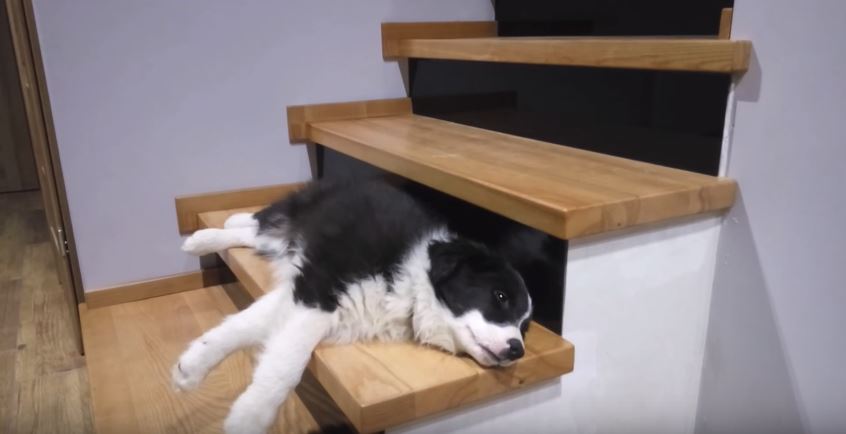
<point>155,99</point>
<point>775,356</point>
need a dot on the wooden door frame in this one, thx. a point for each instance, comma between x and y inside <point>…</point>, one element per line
<point>42,133</point>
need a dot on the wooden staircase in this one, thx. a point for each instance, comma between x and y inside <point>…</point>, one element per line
<point>563,191</point>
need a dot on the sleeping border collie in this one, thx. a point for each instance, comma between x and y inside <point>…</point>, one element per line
<point>354,262</point>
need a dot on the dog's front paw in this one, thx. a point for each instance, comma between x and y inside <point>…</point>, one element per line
<point>202,242</point>
<point>186,375</point>
<point>241,220</point>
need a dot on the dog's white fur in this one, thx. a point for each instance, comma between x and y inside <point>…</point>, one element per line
<point>288,331</point>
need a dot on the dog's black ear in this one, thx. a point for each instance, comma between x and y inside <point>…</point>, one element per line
<point>447,257</point>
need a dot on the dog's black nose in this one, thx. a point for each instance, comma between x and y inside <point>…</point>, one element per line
<point>515,349</point>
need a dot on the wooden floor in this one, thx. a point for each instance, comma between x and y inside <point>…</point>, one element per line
<point>43,380</point>
<point>131,348</point>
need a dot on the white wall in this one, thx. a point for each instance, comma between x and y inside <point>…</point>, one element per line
<point>775,358</point>
<point>154,99</point>
<point>636,309</point>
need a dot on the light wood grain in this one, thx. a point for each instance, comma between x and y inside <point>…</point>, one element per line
<point>9,325</point>
<point>563,191</point>
<point>157,287</point>
<point>393,33</point>
<point>725,23</point>
<point>299,117</point>
<point>130,349</point>
<point>379,386</point>
<point>655,53</point>
<point>188,206</point>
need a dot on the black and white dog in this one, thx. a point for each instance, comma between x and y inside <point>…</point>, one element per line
<point>356,262</point>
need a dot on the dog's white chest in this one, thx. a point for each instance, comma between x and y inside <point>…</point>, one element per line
<point>371,310</point>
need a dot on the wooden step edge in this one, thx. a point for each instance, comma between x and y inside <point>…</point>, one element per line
<point>376,414</point>
<point>578,222</point>
<point>533,214</point>
<point>478,41</point>
<point>726,16</point>
<point>693,55</point>
<point>592,220</point>
<point>300,116</point>
<point>383,411</point>
<point>379,413</point>
<point>393,33</point>
<point>487,385</point>
<point>718,194</point>
<point>211,275</point>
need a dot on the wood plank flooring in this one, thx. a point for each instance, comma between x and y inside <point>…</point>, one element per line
<point>43,379</point>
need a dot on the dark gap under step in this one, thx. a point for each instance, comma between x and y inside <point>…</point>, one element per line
<point>608,17</point>
<point>673,119</point>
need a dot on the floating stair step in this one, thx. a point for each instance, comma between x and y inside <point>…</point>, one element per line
<point>560,190</point>
<point>379,386</point>
<point>477,41</point>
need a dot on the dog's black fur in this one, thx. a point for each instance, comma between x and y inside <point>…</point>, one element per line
<point>356,230</point>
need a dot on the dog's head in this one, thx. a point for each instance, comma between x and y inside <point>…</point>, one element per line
<point>487,298</point>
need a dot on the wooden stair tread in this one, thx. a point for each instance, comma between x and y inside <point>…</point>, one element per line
<point>563,191</point>
<point>380,385</point>
<point>457,41</point>
<point>130,348</point>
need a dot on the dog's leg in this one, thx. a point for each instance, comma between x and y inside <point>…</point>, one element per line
<point>279,369</point>
<point>248,327</point>
<point>241,220</point>
<point>207,241</point>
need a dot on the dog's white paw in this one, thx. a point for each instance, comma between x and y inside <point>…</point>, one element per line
<point>240,220</point>
<point>187,374</point>
<point>184,381</point>
<point>202,242</point>
<point>249,416</point>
